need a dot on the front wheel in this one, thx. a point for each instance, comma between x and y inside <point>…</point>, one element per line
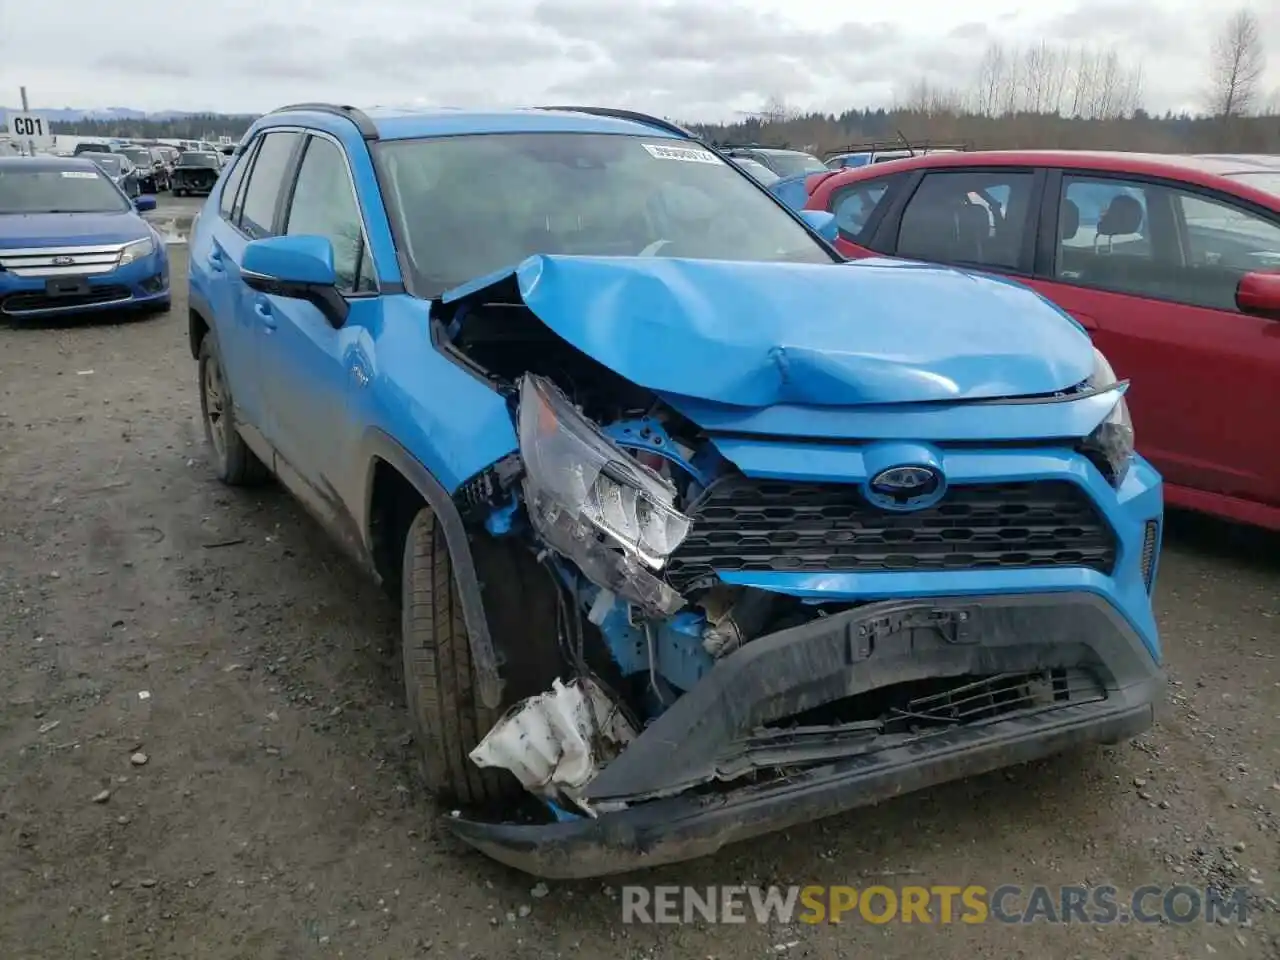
<point>440,686</point>
<point>235,464</point>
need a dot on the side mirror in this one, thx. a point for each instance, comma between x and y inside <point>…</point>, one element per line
<point>821,222</point>
<point>1259,294</point>
<point>143,204</point>
<point>299,267</point>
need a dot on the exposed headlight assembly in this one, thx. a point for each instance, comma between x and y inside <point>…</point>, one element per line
<point>136,251</point>
<point>569,461</point>
<point>1110,445</point>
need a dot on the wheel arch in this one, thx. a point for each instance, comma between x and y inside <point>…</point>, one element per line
<point>393,478</point>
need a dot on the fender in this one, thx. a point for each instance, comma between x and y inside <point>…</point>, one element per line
<point>380,445</point>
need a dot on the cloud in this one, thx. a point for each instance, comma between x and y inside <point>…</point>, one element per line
<point>695,59</point>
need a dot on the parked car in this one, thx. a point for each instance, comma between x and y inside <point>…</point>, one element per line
<point>1171,262</point>
<point>196,172</point>
<point>120,169</point>
<point>72,242</point>
<point>783,162</point>
<point>151,173</point>
<point>92,146</point>
<point>698,531</point>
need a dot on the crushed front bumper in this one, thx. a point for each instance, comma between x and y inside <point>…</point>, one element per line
<point>679,804</point>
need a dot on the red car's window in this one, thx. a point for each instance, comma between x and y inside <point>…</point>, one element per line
<point>967,216</point>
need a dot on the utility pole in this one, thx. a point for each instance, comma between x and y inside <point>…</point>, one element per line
<point>31,144</point>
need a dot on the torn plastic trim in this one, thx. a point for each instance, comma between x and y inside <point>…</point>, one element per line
<point>554,743</point>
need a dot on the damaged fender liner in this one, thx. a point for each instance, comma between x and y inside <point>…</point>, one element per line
<point>793,670</point>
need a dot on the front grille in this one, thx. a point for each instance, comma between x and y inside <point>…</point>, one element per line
<point>61,261</point>
<point>744,525</point>
<point>34,302</point>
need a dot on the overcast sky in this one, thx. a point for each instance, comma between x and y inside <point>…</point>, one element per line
<point>692,59</point>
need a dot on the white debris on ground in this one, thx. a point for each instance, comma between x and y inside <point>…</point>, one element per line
<point>556,742</point>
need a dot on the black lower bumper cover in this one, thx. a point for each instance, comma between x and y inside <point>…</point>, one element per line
<point>695,824</point>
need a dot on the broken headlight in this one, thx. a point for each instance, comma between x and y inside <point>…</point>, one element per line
<point>570,461</point>
<point>1110,445</point>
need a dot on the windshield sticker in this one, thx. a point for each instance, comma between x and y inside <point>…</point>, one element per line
<point>687,154</point>
<point>79,175</point>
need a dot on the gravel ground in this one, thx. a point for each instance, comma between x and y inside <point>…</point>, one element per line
<point>204,751</point>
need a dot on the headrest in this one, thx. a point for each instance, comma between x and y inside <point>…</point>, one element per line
<point>1123,216</point>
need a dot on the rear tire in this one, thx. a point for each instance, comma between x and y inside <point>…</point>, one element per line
<point>234,463</point>
<point>440,685</point>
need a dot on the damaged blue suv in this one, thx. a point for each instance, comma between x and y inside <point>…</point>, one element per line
<point>698,531</point>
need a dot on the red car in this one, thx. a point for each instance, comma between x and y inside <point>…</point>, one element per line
<point>1171,262</point>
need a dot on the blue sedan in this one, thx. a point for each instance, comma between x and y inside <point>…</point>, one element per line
<point>72,242</point>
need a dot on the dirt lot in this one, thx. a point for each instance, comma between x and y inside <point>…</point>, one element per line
<point>146,610</point>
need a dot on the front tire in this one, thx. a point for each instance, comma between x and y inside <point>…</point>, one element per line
<point>440,685</point>
<point>234,463</point>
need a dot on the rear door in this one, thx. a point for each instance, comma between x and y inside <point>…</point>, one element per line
<point>1150,267</point>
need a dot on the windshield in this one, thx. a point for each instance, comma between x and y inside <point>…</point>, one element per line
<point>758,170</point>
<point>139,156</point>
<point>58,191</point>
<point>110,163</point>
<point>1268,181</point>
<point>465,206</point>
<point>192,159</point>
<point>789,164</point>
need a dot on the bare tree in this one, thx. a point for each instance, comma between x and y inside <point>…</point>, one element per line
<point>1237,63</point>
<point>991,71</point>
<point>776,110</point>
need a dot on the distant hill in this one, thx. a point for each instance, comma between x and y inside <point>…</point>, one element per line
<point>68,114</point>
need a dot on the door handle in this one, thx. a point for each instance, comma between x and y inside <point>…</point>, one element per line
<point>263,310</point>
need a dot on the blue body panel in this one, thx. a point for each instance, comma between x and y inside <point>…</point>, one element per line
<point>791,190</point>
<point>70,229</point>
<point>760,334</point>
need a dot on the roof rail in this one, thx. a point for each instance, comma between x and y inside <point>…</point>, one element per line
<point>354,114</point>
<point>911,146</point>
<point>632,115</point>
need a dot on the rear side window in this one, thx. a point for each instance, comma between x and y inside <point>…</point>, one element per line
<point>967,216</point>
<point>262,194</point>
<point>231,185</point>
<point>854,205</point>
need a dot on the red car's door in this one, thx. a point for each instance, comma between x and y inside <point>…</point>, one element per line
<point>1151,269</point>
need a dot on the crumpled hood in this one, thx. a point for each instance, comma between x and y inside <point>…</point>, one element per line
<point>69,229</point>
<point>759,334</point>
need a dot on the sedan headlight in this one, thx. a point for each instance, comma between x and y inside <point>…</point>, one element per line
<point>137,250</point>
<point>1110,445</point>
<point>571,462</point>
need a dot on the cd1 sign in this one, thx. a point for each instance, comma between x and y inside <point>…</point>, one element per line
<point>30,127</point>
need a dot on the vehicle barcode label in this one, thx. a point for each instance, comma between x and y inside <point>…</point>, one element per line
<point>687,154</point>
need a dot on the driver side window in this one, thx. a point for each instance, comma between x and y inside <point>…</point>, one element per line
<point>324,205</point>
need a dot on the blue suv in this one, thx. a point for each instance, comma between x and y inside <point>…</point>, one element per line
<point>698,531</point>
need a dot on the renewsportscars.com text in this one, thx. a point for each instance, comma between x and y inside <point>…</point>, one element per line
<point>938,904</point>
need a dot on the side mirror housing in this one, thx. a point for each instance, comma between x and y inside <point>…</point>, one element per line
<point>143,204</point>
<point>1258,294</point>
<point>299,267</point>
<point>821,222</point>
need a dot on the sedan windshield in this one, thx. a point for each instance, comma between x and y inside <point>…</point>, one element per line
<point>1268,181</point>
<point>140,156</point>
<point>787,163</point>
<point>112,163</point>
<point>48,190</point>
<point>467,206</point>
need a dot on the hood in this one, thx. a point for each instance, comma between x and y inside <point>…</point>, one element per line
<point>70,229</point>
<point>758,334</point>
